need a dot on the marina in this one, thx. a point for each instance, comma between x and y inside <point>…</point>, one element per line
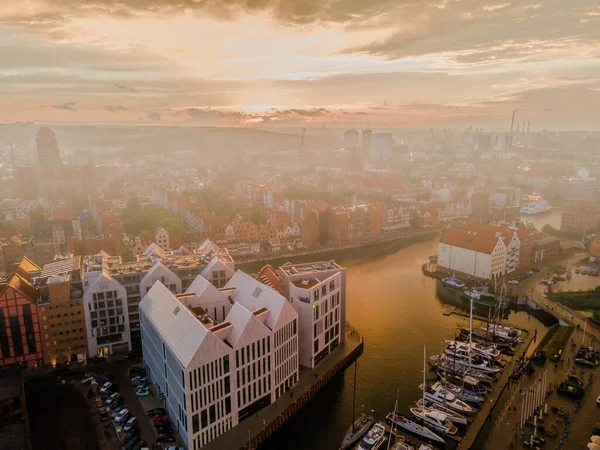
<point>414,318</point>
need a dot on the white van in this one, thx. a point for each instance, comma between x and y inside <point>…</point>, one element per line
<point>130,425</point>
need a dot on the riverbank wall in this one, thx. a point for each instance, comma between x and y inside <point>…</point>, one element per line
<point>369,248</point>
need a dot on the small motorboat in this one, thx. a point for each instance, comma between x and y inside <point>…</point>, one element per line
<point>402,443</point>
<point>475,363</point>
<point>400,421</point>
<point>357,430</point>
<point>453,416</point>
<point>489,351</point>
<point>374,438</point>
<point>453,282</point>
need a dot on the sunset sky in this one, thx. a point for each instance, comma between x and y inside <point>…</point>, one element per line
<point>247,62</point>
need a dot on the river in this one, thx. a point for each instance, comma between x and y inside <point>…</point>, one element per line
<point>395,307</point>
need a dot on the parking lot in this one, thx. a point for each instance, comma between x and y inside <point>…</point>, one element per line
<point>142,432</point>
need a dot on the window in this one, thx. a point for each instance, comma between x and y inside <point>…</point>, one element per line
<point>227,385</point>
<point>226,364</point>
<point>203,418</point>
<point>228,405</point>
<point>316,294</point>
<point>316,346</point>
<point>323,290</point>
<point>195,424</point>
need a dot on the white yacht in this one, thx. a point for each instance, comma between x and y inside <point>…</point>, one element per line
<point>448,399</point>
<point>475,363</point>
<point>453,416</point>
<point>536,207</point>
<point>435,419</point>
<point>453,282</point>
<point>413,427</point>
<point>486,351</point>
<point>374,438</point>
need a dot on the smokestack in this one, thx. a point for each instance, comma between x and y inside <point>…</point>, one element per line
<point>517,127</point>
<point>512,122</point>
<point>528,122</point>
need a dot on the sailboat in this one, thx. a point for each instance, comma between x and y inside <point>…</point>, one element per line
<point>398,420</point>
<point>489,352</point>
<point>462,370</point>
<point>359,426</point>
<point>435,419</point>
<point>461,392</point>
<point>402,422</point>
<point>468,382</point>
<point>401,443</point>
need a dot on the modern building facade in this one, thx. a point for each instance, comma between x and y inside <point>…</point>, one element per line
<point>317,291</point>
<point>213,374</point>
<point>20,328</point>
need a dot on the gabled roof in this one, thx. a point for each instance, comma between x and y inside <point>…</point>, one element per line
<point>205,293</point>
<point>483,242</point>
<point>216,263</point>
<point>254,295</point>
<point>29,266</point>
<point>178,326</point>
<point>154,250</point>
<point>242,321</point>
<point>20,284</point>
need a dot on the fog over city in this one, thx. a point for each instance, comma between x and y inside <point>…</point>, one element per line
<point>299,224</point>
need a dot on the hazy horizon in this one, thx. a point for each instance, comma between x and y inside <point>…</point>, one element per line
<point>405,63</point>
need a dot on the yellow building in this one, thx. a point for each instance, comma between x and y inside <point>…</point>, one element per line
<point>64,335</point>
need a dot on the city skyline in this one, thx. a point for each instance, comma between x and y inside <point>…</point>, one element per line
<point>390,63</point>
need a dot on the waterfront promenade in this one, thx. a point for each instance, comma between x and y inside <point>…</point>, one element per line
<point>250,433</point>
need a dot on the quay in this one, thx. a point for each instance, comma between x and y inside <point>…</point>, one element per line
<point>478,432</point>
<point>254,431</point>
<point>401,239</point>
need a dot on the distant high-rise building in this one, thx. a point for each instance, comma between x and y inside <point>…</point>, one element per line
<point>366,142</point>
<point>381,146</point>
<point>48,154</point>
<point>351,139</point>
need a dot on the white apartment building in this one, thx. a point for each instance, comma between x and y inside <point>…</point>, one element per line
<point>215,373</point>
<point>481,251</point>
<point>106,312</point>
<point>161,236</point>
<point>317,292</point>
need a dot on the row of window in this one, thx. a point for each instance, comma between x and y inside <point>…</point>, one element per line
<point>244,374</point>
<point>254,391</point>
<point>317,293</point>
<point>61,306</point>
<point>286,369</point>
<point>243,354</point>
<point>111,321</point>
<point>15,333</point>
<point>207,373</point>
<point>285,333</point>
<point>210,415</point>
<point>98,305</point>
<point>285,351</point>
<point>60,333</point>
<point>104,295</point>
<point>74,313</point>
<point>211,433</point>
<point>66,341</point>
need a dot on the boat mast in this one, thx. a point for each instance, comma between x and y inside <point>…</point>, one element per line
<point>470,333</point>
<point>393,424</point>
<point>354,400</point>
<point>424,369</point>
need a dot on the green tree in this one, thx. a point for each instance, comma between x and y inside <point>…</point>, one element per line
<point>557,269</point>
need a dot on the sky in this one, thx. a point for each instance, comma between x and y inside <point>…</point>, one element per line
<point>405,63</point>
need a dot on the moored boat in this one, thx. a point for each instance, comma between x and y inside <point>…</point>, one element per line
<point>453,282</point>
<point>453,416</point>
<point>357,430</point>
<point>374,438</point>
<point>462,370</point>
<point>448,399</point>
<point>406,424</point>
<point>435,419</point>
<point>485,351</point>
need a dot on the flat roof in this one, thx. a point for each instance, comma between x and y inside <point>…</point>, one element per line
<point>311,267</point>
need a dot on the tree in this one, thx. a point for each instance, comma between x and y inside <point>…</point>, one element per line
<point>557,269</point>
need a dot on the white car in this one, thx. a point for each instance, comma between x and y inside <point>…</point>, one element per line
<point>123,416</point>
<point>513,282</point>
<point>106,387</point>
<point>598,400</point>
<point>112,398</point>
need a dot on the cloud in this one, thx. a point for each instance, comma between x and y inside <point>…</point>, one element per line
<point>69,106</point>
<point>124,87</point>
<point>115,108</point>
<point>155,115</point>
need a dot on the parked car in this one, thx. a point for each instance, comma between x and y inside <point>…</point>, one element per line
<point>513,282</point>
<point>110,400</point>
<point>130,425</point>
<point>163,427</point>
<point>133,442</point>
<point>160,418</point>
<point>142,391</point>
<point>87,381</point>
<point>138,380</point>
<point>130,436</point>
<point>155,411</point>
<point>106,388</point>
<point>123,416</point>
<point>139,445</point>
